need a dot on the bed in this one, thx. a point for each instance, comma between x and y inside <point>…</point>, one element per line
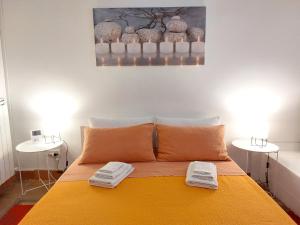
<point>156,194</point>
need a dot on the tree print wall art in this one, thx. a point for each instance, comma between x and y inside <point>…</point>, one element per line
<point>149,36</point>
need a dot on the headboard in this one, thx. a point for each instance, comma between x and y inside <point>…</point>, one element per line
<point>82,134</point>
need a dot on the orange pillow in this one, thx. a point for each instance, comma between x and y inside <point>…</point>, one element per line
<point>126,144</point>
<point>191,143</point>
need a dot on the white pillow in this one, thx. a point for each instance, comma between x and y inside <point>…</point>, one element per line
<point>115,123</point>
<point>188,121</point>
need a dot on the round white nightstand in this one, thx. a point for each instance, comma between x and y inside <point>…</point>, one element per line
<point>245,145</point>
<point>32,147</point>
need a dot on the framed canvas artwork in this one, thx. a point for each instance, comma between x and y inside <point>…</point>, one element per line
<point>150,36</point>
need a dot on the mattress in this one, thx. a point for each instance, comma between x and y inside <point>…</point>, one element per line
<point>159,198</point>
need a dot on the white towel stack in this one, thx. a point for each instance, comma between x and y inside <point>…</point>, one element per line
<point>110,175</point>
<point>202,174</point>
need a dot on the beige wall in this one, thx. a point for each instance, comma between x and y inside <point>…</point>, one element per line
<point>50,46</point>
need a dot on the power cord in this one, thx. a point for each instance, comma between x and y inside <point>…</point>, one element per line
<point>67,150</point>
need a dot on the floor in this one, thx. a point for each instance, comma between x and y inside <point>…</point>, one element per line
<point>11,195</point>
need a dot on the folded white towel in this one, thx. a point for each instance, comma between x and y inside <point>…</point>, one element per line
<point>209,184</point>
<point>196,176</point>
<point>111,183</point>
<point>111,167</point>
<point>198,182</point>
<point>203,170</point>
<point>115,174</point>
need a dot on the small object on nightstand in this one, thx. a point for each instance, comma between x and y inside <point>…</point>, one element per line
<point>52,139</point>
<point>259,146</point>
<point>36,135</point>
<point>261,142</point>
<point>37,147</point>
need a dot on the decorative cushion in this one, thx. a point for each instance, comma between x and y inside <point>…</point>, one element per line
<point>126,144</point>
<point>178,143</point>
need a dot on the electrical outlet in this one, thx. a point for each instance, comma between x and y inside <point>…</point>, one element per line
<point>53,154</point>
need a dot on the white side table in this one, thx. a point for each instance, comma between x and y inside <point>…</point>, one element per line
<point>245,145</point>
<point>31,147</point>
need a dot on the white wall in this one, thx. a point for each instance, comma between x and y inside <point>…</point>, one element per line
<point>50,46</point>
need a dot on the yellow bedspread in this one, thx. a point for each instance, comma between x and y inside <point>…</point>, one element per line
<point>157,201</point>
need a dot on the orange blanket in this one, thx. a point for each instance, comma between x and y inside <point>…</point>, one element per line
<point>149,169</point>
<point>158,201</point>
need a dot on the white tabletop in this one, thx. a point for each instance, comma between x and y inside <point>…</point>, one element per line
<point>29,146</point>
<point>245,144</point>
